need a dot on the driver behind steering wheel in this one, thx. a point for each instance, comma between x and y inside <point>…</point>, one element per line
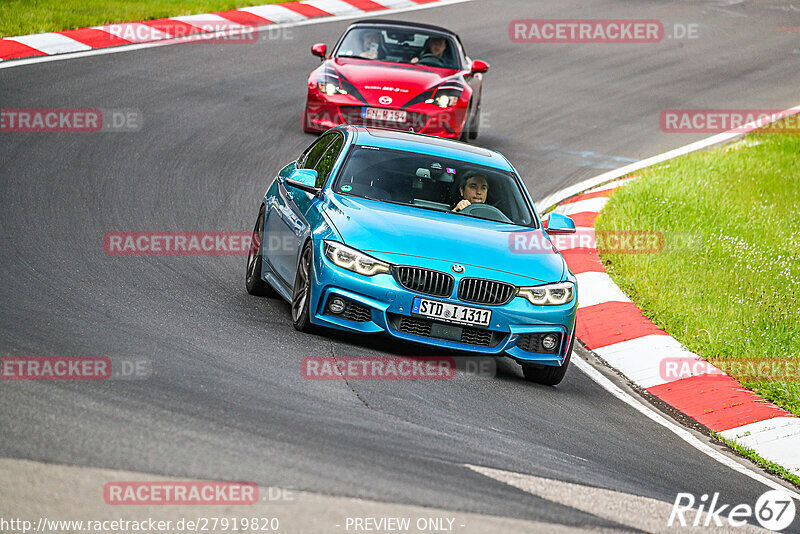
<point>434,52</point>
<point>474,189</point>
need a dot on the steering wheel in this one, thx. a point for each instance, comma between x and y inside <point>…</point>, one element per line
<point>431,60</point>
<point>485,211</point>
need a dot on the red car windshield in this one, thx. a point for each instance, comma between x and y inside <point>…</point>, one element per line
<point>397,45</point>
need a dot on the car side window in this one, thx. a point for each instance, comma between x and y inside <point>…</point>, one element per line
<point>311,156</point>
<point>325,164</point>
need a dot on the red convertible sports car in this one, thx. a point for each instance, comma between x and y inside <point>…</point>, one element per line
<point>399,75</point>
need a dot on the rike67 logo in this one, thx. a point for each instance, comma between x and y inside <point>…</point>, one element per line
<point>774,510</point>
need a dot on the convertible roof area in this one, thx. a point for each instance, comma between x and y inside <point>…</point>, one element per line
<point>403,23</point>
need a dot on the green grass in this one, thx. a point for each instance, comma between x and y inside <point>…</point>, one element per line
<point>728,282</point>
<point>21,17</point>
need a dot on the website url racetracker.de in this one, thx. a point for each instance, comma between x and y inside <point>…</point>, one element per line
<point>199,524</point>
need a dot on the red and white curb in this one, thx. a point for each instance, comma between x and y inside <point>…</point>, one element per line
<point>615,329</point>
<point>233,21</point>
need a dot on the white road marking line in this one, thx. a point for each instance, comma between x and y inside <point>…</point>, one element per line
<point>8,64</point>
<point>679,431</point>
<point>640,513</point>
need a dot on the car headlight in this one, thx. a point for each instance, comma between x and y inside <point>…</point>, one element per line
<point>548,294</point>
<point>354,260</point>
<point>330,89</point>
<point>443,101</point>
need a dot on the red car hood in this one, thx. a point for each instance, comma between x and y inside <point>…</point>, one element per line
<point>400,82</point>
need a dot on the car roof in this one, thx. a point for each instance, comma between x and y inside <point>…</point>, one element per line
<point>427,144</point>
<point>403,23</point>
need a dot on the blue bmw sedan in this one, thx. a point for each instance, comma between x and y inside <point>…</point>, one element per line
<point>421,238</point>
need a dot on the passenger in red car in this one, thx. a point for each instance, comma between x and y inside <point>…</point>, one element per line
<point>370,42</point>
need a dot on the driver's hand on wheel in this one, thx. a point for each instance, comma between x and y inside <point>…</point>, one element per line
<point>461,205</point>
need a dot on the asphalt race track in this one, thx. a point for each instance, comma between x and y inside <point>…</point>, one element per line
<point>226,400</point>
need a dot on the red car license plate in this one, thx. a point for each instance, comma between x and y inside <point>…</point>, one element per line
<point>388,115</point>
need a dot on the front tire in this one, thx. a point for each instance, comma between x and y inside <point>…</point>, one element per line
<point>304,124</point>
<point>476,122</point>
<point>548,375</point>
<point>301,296</point>
<point>253,281</point>
<point>465,133</point>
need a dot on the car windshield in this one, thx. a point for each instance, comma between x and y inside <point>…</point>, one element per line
<point>432,182</point>
<point>399,45</point>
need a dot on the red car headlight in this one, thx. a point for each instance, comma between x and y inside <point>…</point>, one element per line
<point>443,101</point>
<point>445,97</point>
<point>330,89</point>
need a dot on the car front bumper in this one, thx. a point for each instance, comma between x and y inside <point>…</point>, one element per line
<point>384,306</point>
<point>324,112</point>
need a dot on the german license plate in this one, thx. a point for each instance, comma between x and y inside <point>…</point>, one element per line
<point>451,313</point>
<point>388,115</point>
